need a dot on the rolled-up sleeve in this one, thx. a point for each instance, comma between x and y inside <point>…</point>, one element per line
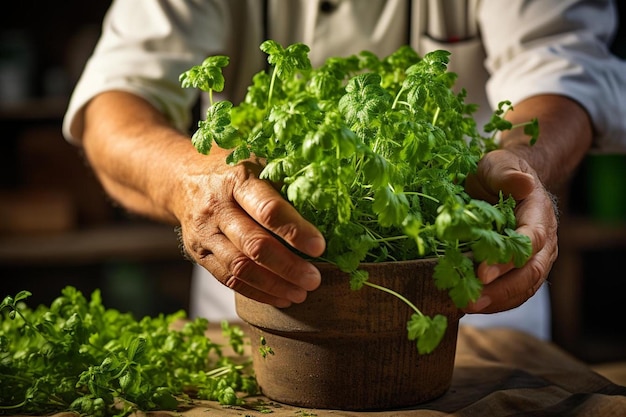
<point>558,47</point>
<point>145,45</point>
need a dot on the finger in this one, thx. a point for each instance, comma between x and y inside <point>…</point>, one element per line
<point>536,221</point>
<point>487,273</point>
<point>211,249</point>
<point>235,270</point>
<point>262,256</point>
<point>528,225</point>
<point>220,273</point>
<point>261,201</point>
<point>513,288</point>
<point>538,231</point>
<point>501,171</point>
<point>507,287</point>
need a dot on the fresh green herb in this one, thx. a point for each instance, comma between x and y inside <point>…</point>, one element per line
<point>75,355</point>
<point>498,123</point>
<point>264,349</point>
<point>375,153</point>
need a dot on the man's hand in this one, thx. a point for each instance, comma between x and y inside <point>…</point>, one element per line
<point>233,224</point>
<point>237,227</point>
<point>527,172</point>
<point>506,287</point>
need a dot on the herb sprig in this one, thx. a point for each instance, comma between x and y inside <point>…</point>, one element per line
<point>374,152</point>
<point>76,355</point>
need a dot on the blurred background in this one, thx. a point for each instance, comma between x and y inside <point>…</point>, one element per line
<point>58,228</point>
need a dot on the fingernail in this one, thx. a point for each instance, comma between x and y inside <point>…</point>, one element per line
<point>315,246</point>
<point>310,279</point>
<point>282,303</point>
<point>296,295</point>
<point>490,273</point>
<point>482,303</point>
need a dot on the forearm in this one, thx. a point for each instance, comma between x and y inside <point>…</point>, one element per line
<point>565,137</point>
<point>135,153</point>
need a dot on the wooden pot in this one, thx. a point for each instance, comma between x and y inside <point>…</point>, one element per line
<point>344,349</point>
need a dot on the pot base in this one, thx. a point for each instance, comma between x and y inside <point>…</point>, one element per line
<point>348,350</point>
<point>352,373</point>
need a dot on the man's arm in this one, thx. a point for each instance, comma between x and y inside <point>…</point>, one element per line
<point>529,173</point>
<point>565,137</point>
<point>226,213</point>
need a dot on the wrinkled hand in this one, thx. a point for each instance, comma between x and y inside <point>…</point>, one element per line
<point>233,223</point>
<point>506,287</point>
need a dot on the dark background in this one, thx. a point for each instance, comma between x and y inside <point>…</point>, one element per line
<point>58,228</point>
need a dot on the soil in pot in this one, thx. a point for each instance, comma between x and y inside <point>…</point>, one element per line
<point>344,349</point>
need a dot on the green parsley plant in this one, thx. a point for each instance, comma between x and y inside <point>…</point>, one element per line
<point>374,152</point>
<point>76,355</point>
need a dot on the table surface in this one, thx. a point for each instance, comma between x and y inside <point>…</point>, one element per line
<point>498,372</point>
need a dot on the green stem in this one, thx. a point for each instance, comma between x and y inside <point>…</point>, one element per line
<point>224,370</point>
<point>13,407</point>
<point>29,324</point>
<point>430,197</point>
<point>446,160</point>
<point>16,377</point>
<point>468,213</point>
<point>391,238</point>
<point>269,95</point>
<point>52,398</point>
<point>392,292</point>
<point>436,116</point>
<point>397,100</point>
<point>121,372</point>
<point>520,125</point>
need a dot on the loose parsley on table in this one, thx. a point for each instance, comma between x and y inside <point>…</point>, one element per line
<point>374,152</point>
<point>76,355</point>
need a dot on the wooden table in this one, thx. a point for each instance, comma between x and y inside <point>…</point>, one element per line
<point>498,372</point>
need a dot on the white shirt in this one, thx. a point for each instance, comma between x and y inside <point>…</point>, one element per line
<point>528,48</point>
<point>502,50</point>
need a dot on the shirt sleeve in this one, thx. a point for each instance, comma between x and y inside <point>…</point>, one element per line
<point>559,47</point>
<point>144,47</point>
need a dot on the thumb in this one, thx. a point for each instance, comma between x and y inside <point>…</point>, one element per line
<point>501,171</point>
